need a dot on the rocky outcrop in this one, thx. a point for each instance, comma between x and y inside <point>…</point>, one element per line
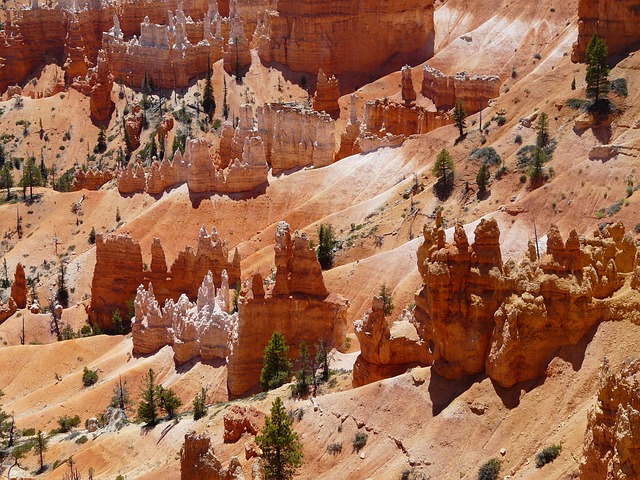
<point>7,309</point>
<point>307,35</point>
<point>327,95</point>
<point>166,174</point>
<point>101,82</point>
<point>295,136</point>
<point>194,330</point>
<point>133,127</point>
<point>386,351</point>
<point>119,271</point>
<point>131,179</point>
<point>476,314</point>
<point>92,179</point>
<point>615,20</point>
<point>239,420</point>
<point>383,116</point>
<point>237,52</point>
<point>473,91</point>
<point>232,139</point>
<point>408,93</point>
<point>299,306</point>
<point>19,287</point>
<point>612,440</point>
<point>348,138</point>
<point>198,461</point>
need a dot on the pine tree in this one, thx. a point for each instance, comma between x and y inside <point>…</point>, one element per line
<point>277,366</point>
<point>169,401</point>
<point>460,117</point>
<point>148,407</point>
<point>542,131</point>
<point>101,145</point>
<point>6,179</point>
<point>200,405</point>
<point>225,105</point>
<point>536,173</point>
<point>322,357</point>
<point>41,445</point>
<point>301,387</point>
<point>327,241</point>
<point>482,179</point>
<point>387,299</point>
<point>597,69</point>
<point>443,168</point>
<point>208,100</point>
<point>120,398</point>
<point>62,293</point>
<point>281,448</point>
<point>3,155</point>
<point>30,176</point>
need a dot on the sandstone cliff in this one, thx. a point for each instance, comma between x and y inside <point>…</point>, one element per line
<point>383,116</point>
<point>615,20</point>
<point>612,440</point>
<point>351,132</point>
<point>7,309</point>
<point>299,307</point>
<point>386,351</point>
<point>19,287</point>
<point>473,91</point>
<point>92,179</point>
<point>477,314</point>
<point>198,461</point>
<point>202,329</point>
<point>307,35</point>
<point>119,271</point>
<point>295,136</point>
<point>327,95</point>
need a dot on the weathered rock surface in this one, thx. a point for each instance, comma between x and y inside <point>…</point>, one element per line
<point>131,179</point>
<point>19,287</point>
<point>612,440</point>
<point>299,307</point>
<point>133,127</point>
<point>408,92</point>
<point>197,460</point>
<point>473,91</point>
<point>383,116</point>
<point>202,329</point>
<point>7,309</point>
<point>385,351</point>
<point>119,272</point>
<point>307,35</point>
<point>238,420</point>
<point>327,95</point>
<point>615,20</point>
<point>296,136</point>
<point>101,82</point>
<point>92,179</point>
<point>348,138</point>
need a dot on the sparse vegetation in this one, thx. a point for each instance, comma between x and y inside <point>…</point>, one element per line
<point>67,423</point>
<point>277,366</point>
<point>200,405</point>
<point>548,455</point>
<point>326,245</point>
<point>359,441</point>
<point>490,470</point>
<point>487,155</point>
<point>387,299</point>
<point>89,377</point>
<point>334,448</point>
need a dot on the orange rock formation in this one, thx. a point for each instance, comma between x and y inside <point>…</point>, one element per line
<point>92,179</point>
<point>198,462</point>
<point>612,440</point>
<point>238,420</point>
<point>327,95</point>
<point>119,272</point>
<point>383,116</point>
<point>299,307</point>
<point>615,20</point>
<point>307,35</point>
<point>348,145</point>
<point>19,287</point>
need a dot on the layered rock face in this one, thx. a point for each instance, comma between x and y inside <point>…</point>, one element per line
<point>101,82</point>
<point>474,91</point>
<point>7,309</point>
<point>327,95</point>
<point>92,179</point>
<point>19,287</point>
<point>615,20</point>
<point>382,116</point>
<point>386,352</point>
<point>119,272</point>
<point>307,35</point>
<point>408,92</point>
<point>612,440</point>
<point>298,307</point>
<point>477,315</point>
<point>295,136</point>
<point>348,145</point>
<point>202,329</point>
<point>238,420</point>
<point>198,461</point>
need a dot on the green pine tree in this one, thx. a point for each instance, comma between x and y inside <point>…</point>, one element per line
<point>303,377</point>
<point>387,299</point>
<point>101,145</point>
<point>41,445</point>
<point>327,242</point>
<point>281,448</point>
<point>277,366</point>
<point>31,176</point>
<point>597,69</point>
<point>482,179</point>
<point>542,131</point>
<point>200,404</point>
<point>208,100</point>
<point>460,117</point>
<point>149,403</point>
<point>6,179</point>
<point>169,401</point>
<point>443,168</point>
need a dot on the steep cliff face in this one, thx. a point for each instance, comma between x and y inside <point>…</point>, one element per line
<point>19,287</point>
<point>615,20</point>
<point>299,307</point>
<point>612,440</point>
<point>307,35</point>
<point>474,91</point>
<point>383,116</point>
<point>295,136</point>
<point>92,179</point>
<point>351,132</point>
<point>327,95</point>
<point>202,329</point>
<point>119,272</point>
<point>386,351</point>
<point>477,314</point>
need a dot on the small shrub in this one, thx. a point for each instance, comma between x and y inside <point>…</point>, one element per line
<point>359,441</point>
<point>523,178</point>
<point>619,86</point>
<point>334,448</point>
<point>490,470</point>
<point>28,432</point>
<point>501,120</point>
<point>614,208</point>
<point>89,377</point>
<point>537,56</point>
<point>578,104</point>
<point>67,423</point>
<point>487,155</point>
<point>81,440</point>
<point>548,455</point>
<point>518,139</point>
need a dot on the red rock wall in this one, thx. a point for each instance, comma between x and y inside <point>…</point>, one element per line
<point>384,116</point>
<point>90,180</point>
<point>119,272</point>
<point>338,36</point>
<point>615,20</point>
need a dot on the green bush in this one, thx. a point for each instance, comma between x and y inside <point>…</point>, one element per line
<point>28,432</point>
<point>488,155</point>
<point>490,470</point>
<point>81,440</point>
<point>89,377</point>
<point>501,120</point>
<point>359,441</point>
<point>619,86</point>
<point>67,423</point>
<point>335,448</point>
<point>548,455</point>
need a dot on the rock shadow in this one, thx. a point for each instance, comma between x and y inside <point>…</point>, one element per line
<point>443,391</point>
